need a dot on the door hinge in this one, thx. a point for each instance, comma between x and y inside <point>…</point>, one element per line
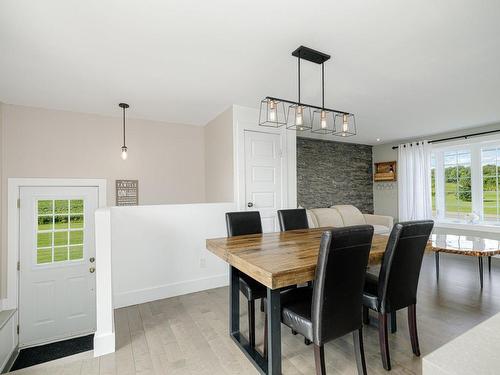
<point>18,329</point>
<point>19,266</point>
<point>18,202</point>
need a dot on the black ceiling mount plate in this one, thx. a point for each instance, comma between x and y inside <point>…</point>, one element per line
<point>311,55</point>
<point>123,105</point>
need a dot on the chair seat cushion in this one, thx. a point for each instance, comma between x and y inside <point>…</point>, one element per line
<point>370,294</point>
<point>251,288</point>
<point>296,310</point>
<point>380,229</point>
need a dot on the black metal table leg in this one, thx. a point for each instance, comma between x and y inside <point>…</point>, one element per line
<point>253,355</point>
<point>436,256</point>
<point>274,331</point>
<point>481,271</point>
<point>234,300</point>
<point>489,264</point>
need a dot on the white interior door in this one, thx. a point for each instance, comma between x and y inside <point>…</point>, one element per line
<point>57,254</point>
<point>263,176</point>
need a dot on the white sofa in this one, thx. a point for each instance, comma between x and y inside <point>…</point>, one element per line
<point>347,215</point>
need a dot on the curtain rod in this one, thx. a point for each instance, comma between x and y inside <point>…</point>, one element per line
<point>458,137</point>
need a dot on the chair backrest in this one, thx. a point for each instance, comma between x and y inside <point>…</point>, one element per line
<point>400,270</point>
<point>245,222</point>
<point>293,219</point>
<point>340,278</point>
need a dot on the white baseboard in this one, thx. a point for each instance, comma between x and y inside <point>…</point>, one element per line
<point>104,344</point>
<point>135,297</point>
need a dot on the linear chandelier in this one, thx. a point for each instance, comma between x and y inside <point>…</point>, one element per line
<point>306,117</point>
<point>124,106</point>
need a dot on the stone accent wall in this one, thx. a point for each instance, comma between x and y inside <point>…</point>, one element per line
<point>330,173</point>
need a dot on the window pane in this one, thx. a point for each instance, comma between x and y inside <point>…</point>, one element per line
<point>433,184</point>
<point>45,207</point>
<point>60,254</point>
<point>75,252</point>
<point>76,237</point>
<point>60,238</point>
<point>76,206</point>
<point>45,222</point>
<point>44,256</point>
<point>464,159</point>
<point>450,158</point>
<point>61,222</point>
<point>457,175</point>
<point>76,221</point>
<point>61,206</point>
<point>44,240</point>
<point>450,174</point>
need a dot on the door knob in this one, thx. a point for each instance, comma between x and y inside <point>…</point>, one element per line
<point>92,259</point>
<point>250,204</point>
<point>91,269</point>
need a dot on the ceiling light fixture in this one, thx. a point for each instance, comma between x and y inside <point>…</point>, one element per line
<point>298,117</point>
<point>124,106</point>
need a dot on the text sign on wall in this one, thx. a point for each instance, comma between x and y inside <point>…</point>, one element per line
<point>127,192</point>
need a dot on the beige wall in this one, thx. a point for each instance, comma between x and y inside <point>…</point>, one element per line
<point>219,164</point>
<point>385,201</point>
<point>167,159</point>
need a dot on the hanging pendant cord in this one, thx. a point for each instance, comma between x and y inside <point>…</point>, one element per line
<point>323,85</point>
<point>299,75</point>
<point>124,127</point>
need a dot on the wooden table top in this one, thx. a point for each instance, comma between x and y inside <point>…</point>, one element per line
<point>280,259</point>
<point>476,246</point>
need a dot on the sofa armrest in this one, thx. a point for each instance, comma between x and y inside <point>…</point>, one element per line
<point>386,221</point>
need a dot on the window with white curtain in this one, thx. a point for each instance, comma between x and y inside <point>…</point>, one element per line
<point>465,182</point>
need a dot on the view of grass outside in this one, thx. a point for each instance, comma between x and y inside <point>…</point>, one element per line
<point>59,230</point>
<point>490,165</point>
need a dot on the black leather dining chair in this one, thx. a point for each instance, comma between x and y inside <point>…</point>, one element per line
<point>238,224</point>
<point>332,307</point>
<point>295,218</point>
<point>396,285</point>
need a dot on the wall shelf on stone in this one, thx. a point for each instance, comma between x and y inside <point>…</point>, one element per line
<point>385,171</point>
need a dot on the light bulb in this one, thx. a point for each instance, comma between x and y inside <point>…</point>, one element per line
<point>323,120</point>
<point>298,116</point>
<point>345,124</point>
<point>124,153</point>
<point>272,110</point>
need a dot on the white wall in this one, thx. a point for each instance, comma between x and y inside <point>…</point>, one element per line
<point>159,251</point>
<point>8,337</point>
<point>385,201</point>
<point>167,159</point>
<point>219,165</point>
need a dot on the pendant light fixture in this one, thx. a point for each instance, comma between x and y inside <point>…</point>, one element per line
<point>124,106</point>
<point>298,117</point>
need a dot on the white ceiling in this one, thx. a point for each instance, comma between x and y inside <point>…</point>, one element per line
<point>405,68</point>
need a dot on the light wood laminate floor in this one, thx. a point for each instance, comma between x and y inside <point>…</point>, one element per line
<point>189,334</point>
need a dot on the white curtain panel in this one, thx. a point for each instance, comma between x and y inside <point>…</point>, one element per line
<point>414,185</point>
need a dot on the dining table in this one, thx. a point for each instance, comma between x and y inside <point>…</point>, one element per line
<point>276,260</point>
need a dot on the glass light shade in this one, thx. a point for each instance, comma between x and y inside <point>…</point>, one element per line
<point>272,113</point>
<point>345,125</point>
<point>323,122</point>
<point>299,117</point>
<point>124,153</point>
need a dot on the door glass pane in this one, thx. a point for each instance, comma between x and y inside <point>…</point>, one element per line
<point>61,206</point>
<point>44,256</point>
<point>45,222</point>
<point>60,254</point>
<point>76,206</point>
<point>44,239</point>
<point>76,221</point>
<point>61,222</point>
<point>75,252</point>
<point>76,237</point>
<point>45,207</point>
<point>60,238</point>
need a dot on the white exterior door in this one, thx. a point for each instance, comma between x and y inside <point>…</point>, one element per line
<point>57,255</point>
<point>263,176</point>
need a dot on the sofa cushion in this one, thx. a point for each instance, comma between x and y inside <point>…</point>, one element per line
<point>328,217</point>
<point>311,219</point>
<point>350,215</point>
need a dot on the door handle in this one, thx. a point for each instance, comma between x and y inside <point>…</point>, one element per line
<point>91,269</point>
<point>250,204</point>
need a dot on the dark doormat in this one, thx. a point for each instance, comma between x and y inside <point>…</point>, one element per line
<point>45,353</point>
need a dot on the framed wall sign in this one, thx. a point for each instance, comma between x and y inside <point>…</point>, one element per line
<point>127,192</point>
